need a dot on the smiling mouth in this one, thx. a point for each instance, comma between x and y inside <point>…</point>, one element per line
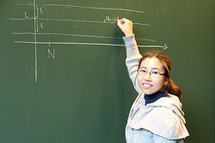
<point>146,85</point>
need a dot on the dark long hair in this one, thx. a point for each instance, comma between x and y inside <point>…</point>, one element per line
<point>171,87</point>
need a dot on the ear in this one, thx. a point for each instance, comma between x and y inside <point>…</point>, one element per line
<point>166,82</point>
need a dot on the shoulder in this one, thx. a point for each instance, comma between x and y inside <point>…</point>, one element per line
<point>168,118</point>
<point>163,117</point>
<point>170,101</point>
<point>165,122</point>
<point>170,104</point>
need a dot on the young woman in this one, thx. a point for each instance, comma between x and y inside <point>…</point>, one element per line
<point>156,115</point>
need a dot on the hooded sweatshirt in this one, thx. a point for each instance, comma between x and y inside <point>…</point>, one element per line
<point>164,116</point>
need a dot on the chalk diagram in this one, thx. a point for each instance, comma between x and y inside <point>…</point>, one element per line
<point>42,32</point>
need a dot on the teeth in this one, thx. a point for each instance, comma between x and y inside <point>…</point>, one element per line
<point>147,85</point>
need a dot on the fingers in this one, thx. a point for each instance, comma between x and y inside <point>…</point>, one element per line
<point>120,22</point>
<point>126,26</point>
<point>123,21</point>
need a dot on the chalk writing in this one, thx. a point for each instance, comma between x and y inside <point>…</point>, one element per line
<point>41,26</point>
<point>51,54</point>
<point>110,19</point>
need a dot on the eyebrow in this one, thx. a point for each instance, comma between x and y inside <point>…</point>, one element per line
<point>151,69</point>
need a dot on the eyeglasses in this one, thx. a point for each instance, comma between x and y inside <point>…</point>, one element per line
<point>154,74</point>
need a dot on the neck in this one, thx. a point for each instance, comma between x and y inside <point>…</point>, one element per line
<point>154,97</point>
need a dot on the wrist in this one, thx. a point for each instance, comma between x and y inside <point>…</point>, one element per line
<point>129,33</point>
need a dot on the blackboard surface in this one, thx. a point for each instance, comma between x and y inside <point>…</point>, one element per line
<point>63,75</point>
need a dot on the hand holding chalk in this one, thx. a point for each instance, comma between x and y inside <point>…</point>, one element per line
<point>126,26</point>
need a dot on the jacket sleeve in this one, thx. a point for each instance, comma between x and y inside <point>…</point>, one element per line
<point>132,59</point>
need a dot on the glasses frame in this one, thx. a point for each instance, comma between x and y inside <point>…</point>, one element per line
<point>140,71</point>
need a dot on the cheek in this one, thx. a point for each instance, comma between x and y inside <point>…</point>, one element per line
<point>139,80</point>
<point>160,84</point>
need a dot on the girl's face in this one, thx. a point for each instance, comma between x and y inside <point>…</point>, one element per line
<point>149,77</point>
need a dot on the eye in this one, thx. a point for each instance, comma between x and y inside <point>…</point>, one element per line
<point>155,73</point>
<point>143,71</point>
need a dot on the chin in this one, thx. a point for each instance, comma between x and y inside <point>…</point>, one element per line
<point>148,92</point>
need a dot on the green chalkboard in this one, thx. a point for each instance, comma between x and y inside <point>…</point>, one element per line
<point>62,66</point>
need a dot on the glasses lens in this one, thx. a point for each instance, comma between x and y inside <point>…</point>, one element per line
<point>153,74</point>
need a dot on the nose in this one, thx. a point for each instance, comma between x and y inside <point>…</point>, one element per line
<point>148,77</point>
